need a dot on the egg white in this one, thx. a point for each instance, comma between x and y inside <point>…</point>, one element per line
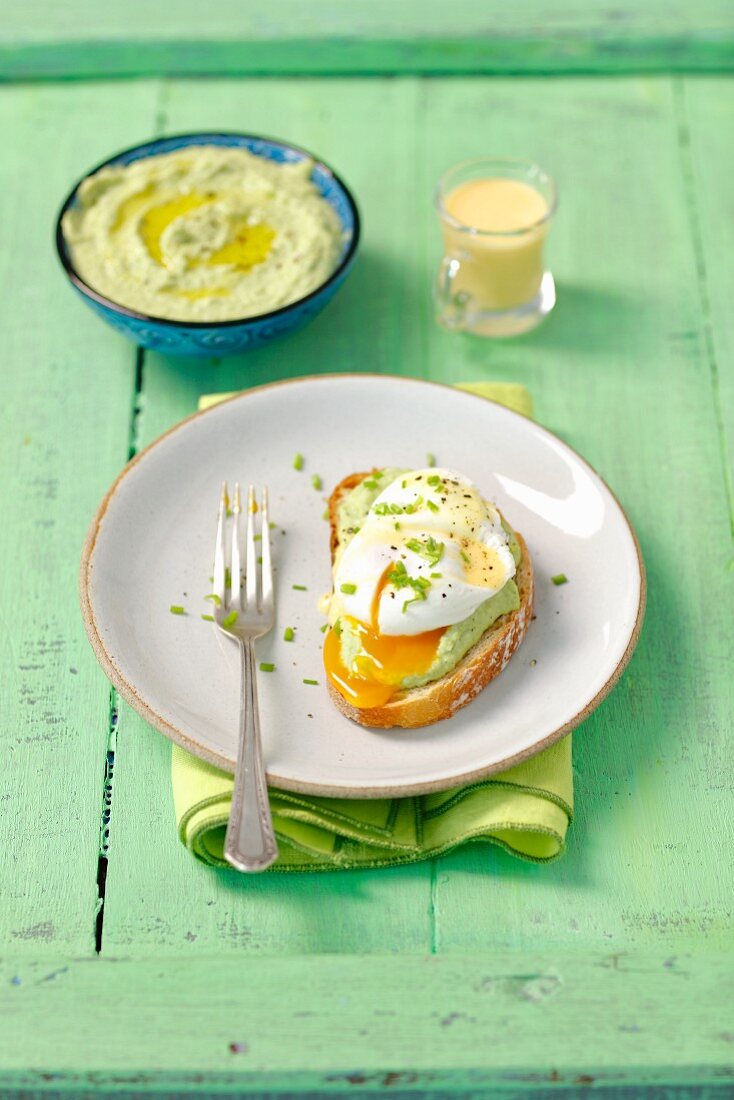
<point>461,520</point>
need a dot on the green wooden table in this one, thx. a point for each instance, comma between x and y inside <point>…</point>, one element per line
<point>140,971</point>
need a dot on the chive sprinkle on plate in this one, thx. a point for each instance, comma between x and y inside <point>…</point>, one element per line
<point>298,462</point>
<point>314,682</point>
<point>560,578</point>
<point>300,588</point>
<point>266,666</point>
<point>289,634</point>
<point>176,609</point>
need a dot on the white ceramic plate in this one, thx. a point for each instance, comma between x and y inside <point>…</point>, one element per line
<point>151,546</point>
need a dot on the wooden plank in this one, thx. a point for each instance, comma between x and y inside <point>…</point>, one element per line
<point>289,37</point>
<point>621,372</point>
<point>706,117</point>
<point>363,329</point>
<point>67,394</point>
<point>334,1023</point>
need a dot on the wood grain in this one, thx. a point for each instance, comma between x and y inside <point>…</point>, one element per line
<point>134,38</point>
<point>706,118</point>
<point>67,397</point>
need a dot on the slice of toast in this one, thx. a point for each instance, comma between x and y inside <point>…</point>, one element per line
<point>485,660</point>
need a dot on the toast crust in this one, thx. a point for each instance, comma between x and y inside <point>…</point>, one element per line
<point>485,660</point>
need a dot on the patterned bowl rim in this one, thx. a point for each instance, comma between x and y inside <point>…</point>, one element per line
<point>200,138</point>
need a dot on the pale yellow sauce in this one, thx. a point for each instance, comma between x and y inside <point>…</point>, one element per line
<point>498,272</point>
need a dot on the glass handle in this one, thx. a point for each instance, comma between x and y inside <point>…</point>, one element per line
<point>451,305</point>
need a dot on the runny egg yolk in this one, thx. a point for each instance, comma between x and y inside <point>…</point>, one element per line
<point>383,662</point>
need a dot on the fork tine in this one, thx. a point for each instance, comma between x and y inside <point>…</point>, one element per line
<point>218,586</point>
<point>236,564</point>
<point>267,570</point>
<point>251,574</point>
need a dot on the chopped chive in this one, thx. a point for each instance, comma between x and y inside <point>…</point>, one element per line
<point>404,484</point>
<point>272,525</point>
<point>229,620</point>
<point>228,577</point>
<point>348,589</point>
<point>465,556</point>
<point>214,598</point>
<point>433,480</point>
<point>430,549</point>
<point>325,513</point>
<point>560,578</point>
<point>369,483</point>
<point>397,526</point>
<point>288,634</point>
<point>266,666</point>
<point>337,628</point>
<point>317,482</point>
<point>324,628</point>
<point>434,575</point>
<point>430,459</point>
<point>176,609</point>
<point>314,682</point>
<point>433,506</point>
<point>256,538</point>
<point>298,462</point>
<point>300,588</point>
<point>208,618</point>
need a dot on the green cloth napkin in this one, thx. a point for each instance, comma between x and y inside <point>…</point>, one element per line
<point>526,809</point>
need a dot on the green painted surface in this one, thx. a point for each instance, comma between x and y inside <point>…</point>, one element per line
<point>131,37</point>
<point>633,369</point>
<point>706,110</point>
<point>427,1024</point>
<point>66,418</point>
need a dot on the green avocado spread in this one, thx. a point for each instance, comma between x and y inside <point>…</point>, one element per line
<point>459,638</point>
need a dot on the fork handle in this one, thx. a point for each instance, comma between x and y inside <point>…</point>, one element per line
<point>250,842</point>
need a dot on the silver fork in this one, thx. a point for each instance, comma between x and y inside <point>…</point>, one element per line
<point>250,842</point>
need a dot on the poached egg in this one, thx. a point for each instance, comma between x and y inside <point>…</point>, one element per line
<point>429,552</point>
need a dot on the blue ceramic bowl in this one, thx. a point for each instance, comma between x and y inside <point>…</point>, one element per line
<point>222,337</point>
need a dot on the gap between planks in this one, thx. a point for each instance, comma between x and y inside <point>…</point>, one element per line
<point>105,824</point>
<point>133,444</point>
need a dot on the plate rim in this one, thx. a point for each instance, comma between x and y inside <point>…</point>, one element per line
<point>129,693</point>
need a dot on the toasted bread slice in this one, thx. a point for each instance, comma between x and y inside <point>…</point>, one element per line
<point>441,698</point>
